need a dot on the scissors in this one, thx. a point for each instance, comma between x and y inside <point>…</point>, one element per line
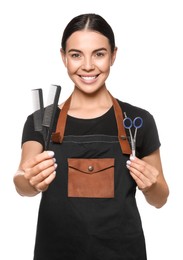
<point>128,123</point>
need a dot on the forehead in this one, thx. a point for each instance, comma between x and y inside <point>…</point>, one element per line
<point>87,39</point>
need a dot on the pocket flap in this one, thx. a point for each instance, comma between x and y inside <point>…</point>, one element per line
<point>89,165</point>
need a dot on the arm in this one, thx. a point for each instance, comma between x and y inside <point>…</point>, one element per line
<point>36,170</point>
<point>148,174</point>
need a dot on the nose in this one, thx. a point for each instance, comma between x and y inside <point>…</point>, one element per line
<point>88,64</point>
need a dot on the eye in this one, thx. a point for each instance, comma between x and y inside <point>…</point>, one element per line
<point>75,55</point>
<point>100,54</point>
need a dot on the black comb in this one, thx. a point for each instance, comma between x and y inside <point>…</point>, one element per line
<point>38,106</point>
<point>44,117</point>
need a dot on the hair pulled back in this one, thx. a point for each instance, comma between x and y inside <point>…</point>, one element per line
<point>90,21</point>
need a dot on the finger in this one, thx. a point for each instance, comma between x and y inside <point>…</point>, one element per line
<point>43,186</point>
<point>37,159</point>
<point>142,168</point>
<point>137,173</point>
<point>39,168</point>
<point>42,166</point>
<point>147,171</point>
<point>141,181</point>
<point>142,175</point>
<point>42,175</point>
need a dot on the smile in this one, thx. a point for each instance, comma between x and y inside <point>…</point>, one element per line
<point>89,78</point>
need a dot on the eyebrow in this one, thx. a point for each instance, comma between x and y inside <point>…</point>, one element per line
<point>75,50</point>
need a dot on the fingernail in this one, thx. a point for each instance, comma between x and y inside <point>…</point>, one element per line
<point>128,162</point>
<point>132,157</point>
<point>55,165</point>
<point>50,153</point>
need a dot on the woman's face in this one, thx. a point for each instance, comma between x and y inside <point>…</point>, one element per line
<point>88,59</point>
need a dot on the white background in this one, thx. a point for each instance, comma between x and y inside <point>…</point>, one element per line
<point>148,73</point>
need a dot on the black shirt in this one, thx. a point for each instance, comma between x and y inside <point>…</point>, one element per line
<point>147,136</point>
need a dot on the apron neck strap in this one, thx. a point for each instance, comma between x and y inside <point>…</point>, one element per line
<point>58,136</point>
<point>125,146</point>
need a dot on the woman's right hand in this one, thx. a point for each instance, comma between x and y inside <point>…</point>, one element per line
<point>39,171</point>
<point>36,171</point>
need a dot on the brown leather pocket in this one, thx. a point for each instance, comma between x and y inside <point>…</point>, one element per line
<point>92,178</point>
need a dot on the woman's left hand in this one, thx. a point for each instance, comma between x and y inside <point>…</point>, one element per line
<point>143,173</point>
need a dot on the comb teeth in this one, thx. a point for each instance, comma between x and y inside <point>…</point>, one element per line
<point>48,115</point>
<point>44,117</point>
<point>38,107</point>
<point>52,104</point>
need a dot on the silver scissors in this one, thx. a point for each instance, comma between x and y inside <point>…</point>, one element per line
<point>128,123</point>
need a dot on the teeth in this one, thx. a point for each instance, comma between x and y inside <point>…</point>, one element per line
<point>89,78</point>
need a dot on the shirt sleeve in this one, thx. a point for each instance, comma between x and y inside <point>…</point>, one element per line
<point>148,140</point>
<point>147,137</point>
<point>29,134</point>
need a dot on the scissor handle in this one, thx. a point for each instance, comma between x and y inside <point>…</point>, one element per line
<point>137,122</point>
<point>127,122</point>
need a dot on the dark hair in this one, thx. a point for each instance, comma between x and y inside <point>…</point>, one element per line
<point>89,21</point>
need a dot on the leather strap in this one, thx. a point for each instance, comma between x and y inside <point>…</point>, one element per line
<point>58,136</point>
<point>125,146</point>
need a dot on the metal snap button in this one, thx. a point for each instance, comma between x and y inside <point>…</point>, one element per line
<point>90,168</point>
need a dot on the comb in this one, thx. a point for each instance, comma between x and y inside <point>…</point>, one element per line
<point>38,106</point>
<point>44,117</point>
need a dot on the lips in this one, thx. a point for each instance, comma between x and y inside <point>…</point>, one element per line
<point>89,78</point>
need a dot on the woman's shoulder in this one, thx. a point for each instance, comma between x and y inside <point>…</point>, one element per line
<point>148,138</point>
<point>132,110</point>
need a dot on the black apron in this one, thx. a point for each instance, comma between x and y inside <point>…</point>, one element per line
<point>72,228</point>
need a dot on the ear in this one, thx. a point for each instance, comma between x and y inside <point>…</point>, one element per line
<point>64,59</point>
<point>113,56</point>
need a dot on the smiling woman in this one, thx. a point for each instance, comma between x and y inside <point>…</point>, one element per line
<point>88,59</point>
<point>88,178</point>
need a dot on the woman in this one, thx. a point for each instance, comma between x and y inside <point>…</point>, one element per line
<point>87,177</point>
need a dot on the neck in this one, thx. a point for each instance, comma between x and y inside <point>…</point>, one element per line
<point>85,105</point>
<point>85,100</point>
